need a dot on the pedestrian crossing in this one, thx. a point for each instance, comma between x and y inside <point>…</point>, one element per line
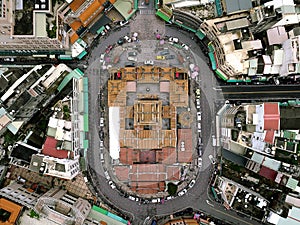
<point>147,11</point>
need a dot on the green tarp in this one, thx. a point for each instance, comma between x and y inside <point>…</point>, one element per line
<point>212,60</point>
<point>81,55</point>
<point>100,29</point>
<point>200,34</point>
<point>162,15</point>
<point>221,75</point>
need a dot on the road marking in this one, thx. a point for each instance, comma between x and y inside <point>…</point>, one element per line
<point>243,221</point>
<point>208,203</point>
<point>260,92</point>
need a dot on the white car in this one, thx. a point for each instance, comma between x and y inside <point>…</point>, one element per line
<point>199,116</point>
<point>174,39</point>
<point>170,197</point>
<point>101,122</point>
<point>111,184</point>
<point>130,58</point>
<point>107,27</point>
<point>102,58</point>
<point>149,62</point>
<point>131,198</point>
<point>199,162</point>
<point>107,175</point>
<point>212,160</point>
<point>183,192</point>
<point>185,47</point>
<point>192,183</point>
<point>198,103</point>
<point>155,200</point>
<point>123,23</point>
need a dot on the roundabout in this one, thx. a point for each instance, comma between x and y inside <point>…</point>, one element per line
<point>127,197</point>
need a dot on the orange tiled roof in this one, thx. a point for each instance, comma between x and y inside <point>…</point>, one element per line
<point>89,12</point>
<point>76,4</point>
<point>75,25</point>
<point>74,38</point>
<point>11,207</point>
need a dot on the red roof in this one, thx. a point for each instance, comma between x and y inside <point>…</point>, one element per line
<point>122,172</point>
<point>184,135</point>
<point>270,136</point>
<point>268,173</point>
<point>126,156</point>
<point>173,172</point>
<point>271,116</point>
<point>49,149</point>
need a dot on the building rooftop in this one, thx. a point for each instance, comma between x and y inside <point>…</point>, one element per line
<point>51,148</point>
<point>13,209</point>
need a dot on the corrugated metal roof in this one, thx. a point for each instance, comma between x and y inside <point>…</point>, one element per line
<point>237,5</point>
<point>272,163</point>
<point>236,24</point>
<point>258,158</point>
<point>292,183</point>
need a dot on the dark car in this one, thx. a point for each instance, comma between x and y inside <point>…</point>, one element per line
<point>170,57</point>
<point>108,49</point>
<point>121,41</point>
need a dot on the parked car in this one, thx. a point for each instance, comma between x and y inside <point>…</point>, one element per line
<point>102,58</point>
<point>111,184</point>
<point>174,39</point>
<point>198,103</point>
<point>132,53</point>
<point>120,41</point>
<point>155,200</point>
<point>131,58</point>
<point>212,160</point>
<point>170,197</point>
<point>198,93</point>
<point>108,49</point>
<point>199,162</point>
<point>160,57</point>
<point>200,150</point>
<point>106,175</point>
<point>170,56</point>
<point>185,47</point>
<point>131,198</point>
<point>199,126</point>
<point>199,116</point>
<point>107,27</point>
<point>123,23</point>
<point>192,183</point>
<point>129,64</point>
<point>149,62</point>
<point>101,122</point>
<point>183,192</point>
<point>165,52</point>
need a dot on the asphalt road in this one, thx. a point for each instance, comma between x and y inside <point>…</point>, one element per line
<point>260,92</point>
<point>197,196</point>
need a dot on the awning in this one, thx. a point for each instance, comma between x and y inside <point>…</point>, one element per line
<point>200,34</point>
<point>221,75</point>
<point>212,60</point>
<point>162,15</point>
